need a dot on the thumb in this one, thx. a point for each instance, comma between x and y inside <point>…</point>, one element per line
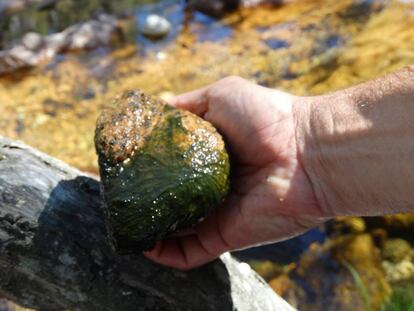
<point>194,101</point>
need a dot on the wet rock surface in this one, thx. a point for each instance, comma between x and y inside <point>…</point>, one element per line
<point>357,266</point>
<point>216,8</point>
<point>156,27</point>
<point>325,283</point>
<point>35,48</point>
<point>162,169</point>
<point>6,305</point>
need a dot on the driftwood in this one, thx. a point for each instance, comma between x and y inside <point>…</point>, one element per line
<point>55,254</point>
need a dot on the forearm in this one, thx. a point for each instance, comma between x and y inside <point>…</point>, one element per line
<point>357,146</point>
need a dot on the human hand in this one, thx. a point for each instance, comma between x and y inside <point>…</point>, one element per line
<point>271,197</point>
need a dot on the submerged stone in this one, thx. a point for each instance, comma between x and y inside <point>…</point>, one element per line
<point>396,250</point>
<point>156,27</point>
<point>162,169</point>
<point>215,8</point>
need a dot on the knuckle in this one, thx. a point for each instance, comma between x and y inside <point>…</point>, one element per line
<point>220,88</point>
<point>232,79</point>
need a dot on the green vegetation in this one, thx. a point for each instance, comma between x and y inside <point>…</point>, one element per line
<point>361,288</point>
<point>402,299</point>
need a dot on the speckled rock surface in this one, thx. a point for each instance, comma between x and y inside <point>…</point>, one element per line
<point>162,168</point>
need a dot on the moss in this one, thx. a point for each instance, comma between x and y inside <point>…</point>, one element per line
<point>402,299</point>
<point>162,169</point>
<point>396,250</point>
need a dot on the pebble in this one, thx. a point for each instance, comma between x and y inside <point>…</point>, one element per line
<point>32,41</point>
<point>214,8</point>
<point>161,56</point>
<point>244,268</point>
<point>398,272</point>
<point>156,27</point>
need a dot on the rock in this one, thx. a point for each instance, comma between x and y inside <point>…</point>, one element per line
<point>393,223</point>
<point>281,284</point>
<point>161,56</point>
<point>156,27</point>
<point>34,48</point>
<point>324,283</point>
<point>162,169</point>
<point>219,8</point>
<point>215,8</point>
<point>396,250</point>
<point>10,7</point>
<point>344,225</point>
<point>400,271</point>
<point>397,264</point>
<point>6,305</point>
<point>359,251</point>
<point>32,41</point>
<point>380,236</point>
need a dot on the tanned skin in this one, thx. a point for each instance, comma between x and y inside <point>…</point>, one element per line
<point>299,161</point>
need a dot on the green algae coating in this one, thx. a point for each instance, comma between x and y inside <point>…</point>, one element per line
<point>162,169</point>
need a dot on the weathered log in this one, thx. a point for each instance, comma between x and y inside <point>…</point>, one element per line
<point>55,253</point>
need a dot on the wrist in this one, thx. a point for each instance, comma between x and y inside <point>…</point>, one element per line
<point>312,119</point>
<point>333,144</point>
<point>356,146</point>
